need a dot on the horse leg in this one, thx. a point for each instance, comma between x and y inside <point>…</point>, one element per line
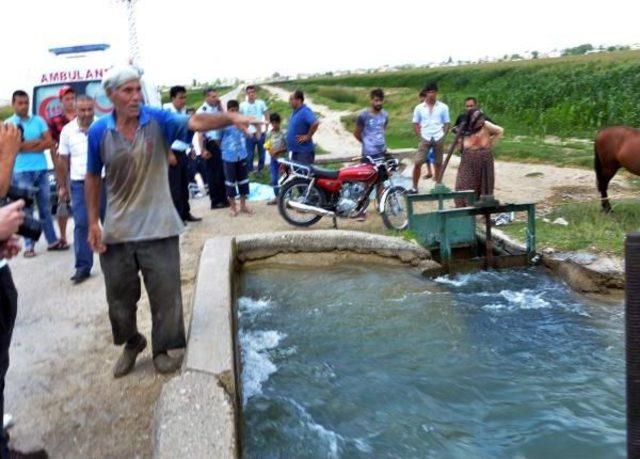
<point>604,174</point>
<point>603,185</point>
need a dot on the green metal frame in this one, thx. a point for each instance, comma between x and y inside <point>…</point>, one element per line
<point>447,229</point>
<point>428,226</point>
<point>449,216</point>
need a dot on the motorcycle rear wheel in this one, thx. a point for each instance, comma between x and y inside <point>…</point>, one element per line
<point>296,190</point>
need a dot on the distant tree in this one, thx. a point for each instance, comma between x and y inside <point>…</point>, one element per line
<point>194,82</point>
<point>577,50</point>
<point>450,61</point>
<point>515,57</point>
<point>505,57</point>
<point>535,54</point>
<point>275,75</point>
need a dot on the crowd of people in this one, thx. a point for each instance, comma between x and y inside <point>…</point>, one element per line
<point>125,179</point>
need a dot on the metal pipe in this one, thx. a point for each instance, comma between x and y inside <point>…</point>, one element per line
<point>632,342</point>
<point>310,209</point>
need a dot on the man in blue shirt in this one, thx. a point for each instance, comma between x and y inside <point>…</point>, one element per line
<point>303,124</point>
<point>141,224</point>
<point>371,126</point>
<point>234,157</point>
<point>30,170</point>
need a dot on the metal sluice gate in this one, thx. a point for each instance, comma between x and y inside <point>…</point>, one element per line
<point>452,233</point>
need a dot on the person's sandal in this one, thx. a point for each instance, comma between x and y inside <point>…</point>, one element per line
<point>58,246</point>
<point>29,253</point>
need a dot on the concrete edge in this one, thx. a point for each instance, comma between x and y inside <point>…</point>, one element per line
<point>261,246</point>
<point>584,272</point>
<point>182,428</point>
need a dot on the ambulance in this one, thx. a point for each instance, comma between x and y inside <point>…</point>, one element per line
<point>81,67</point>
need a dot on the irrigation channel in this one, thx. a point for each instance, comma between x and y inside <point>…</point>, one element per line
<point>375,361</point>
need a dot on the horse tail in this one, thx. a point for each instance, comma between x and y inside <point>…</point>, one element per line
<point>597,165</point>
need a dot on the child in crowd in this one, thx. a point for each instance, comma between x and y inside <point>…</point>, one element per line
<point>234,157</point>
<point>277,148</point>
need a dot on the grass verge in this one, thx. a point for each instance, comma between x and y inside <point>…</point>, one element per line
<point>589,229</point>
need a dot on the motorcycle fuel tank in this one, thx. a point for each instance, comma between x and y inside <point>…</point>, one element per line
<point>359,173</point>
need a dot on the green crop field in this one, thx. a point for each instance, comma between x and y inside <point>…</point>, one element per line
<point>543,104</point>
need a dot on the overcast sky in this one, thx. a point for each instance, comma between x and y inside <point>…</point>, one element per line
<point>207,39</point>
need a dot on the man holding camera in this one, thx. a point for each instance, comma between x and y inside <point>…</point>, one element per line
<point>30,169</point>
<point>141,224</point>
<point>11,217</point>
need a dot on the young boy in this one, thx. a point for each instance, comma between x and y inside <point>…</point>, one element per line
<point>277,148</point>
<point>234,157</point>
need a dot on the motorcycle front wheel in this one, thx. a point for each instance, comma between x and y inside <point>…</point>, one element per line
<point>395,215</point>
<point>296,190</point>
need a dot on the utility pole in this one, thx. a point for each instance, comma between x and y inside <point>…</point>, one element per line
<point>134,48</point>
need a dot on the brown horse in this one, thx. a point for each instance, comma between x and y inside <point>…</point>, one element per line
<point>615,147</point>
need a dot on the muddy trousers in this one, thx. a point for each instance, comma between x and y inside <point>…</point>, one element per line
<point>158,261</point>
<point>8,309</point>
<point>475,173</point>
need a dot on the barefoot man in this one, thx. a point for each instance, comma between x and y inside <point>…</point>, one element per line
<point>141,227</point>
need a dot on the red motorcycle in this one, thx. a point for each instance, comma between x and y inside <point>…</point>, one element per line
<point>308,193</point>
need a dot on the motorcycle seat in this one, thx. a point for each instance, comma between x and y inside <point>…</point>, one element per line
<point>324,173</point>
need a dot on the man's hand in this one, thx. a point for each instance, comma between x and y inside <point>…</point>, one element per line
<point>10,140</point>
<point>11,247</point>
<point>95,238</point>
<point>242,121</point>
<point>173,161</point>
<point>63,194</point>
<point>11,217</point>
<point>206,154</point>
<point>303,138</point>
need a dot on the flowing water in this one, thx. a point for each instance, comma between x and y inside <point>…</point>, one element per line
<point>377,362</point>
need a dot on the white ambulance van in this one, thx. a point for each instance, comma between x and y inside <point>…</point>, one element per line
<point>81,67</point>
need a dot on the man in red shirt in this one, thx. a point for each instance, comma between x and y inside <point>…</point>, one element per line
<point>68,102</point>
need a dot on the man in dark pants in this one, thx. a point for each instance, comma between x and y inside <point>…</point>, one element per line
<point>11,217</point>
<point>302,125</point>
<point>179,173</point>
<point>211,153</point>
<point>141,226</point>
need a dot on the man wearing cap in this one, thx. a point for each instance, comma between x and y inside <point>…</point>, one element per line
<point>68,102</point>
<point>141,227</point>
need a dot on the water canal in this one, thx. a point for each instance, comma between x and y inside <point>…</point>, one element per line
<point>361,361</point>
